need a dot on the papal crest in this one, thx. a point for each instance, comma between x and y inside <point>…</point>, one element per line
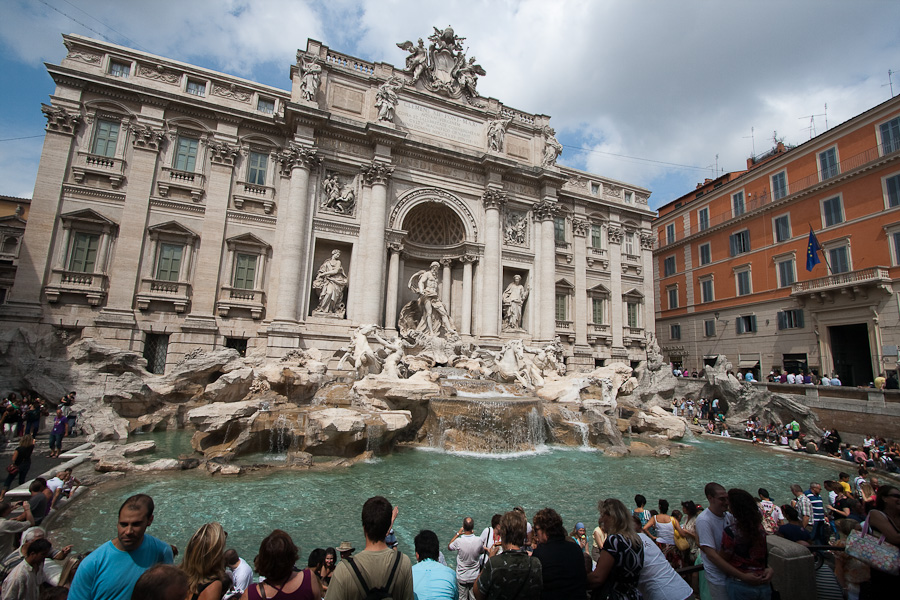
<point>443,67</point>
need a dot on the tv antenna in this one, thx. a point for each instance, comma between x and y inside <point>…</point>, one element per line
<point>890,82</point>
<point>752,142</point>
<point>812,122</point>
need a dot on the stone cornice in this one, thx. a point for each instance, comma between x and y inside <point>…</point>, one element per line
<point>512,255</point>
<point>77,190</point>
<point>333,227</point>
<point>238,216</point>
<point>177,206</point>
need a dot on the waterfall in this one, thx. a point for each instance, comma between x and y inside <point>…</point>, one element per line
<point>495,425</point>
<point>573,418</point>
<point>281,436</point>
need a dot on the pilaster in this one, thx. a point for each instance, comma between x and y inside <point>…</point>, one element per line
<point>581,228</point>
<point>544,212</point>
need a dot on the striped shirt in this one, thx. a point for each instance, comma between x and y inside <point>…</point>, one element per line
<point>818,507</point>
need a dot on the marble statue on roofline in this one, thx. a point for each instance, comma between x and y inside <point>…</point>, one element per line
<point>443,67</point>
<point>309,82</point>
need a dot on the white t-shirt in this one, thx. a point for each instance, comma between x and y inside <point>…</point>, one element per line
<point>709,531</point>
<point>242,576</point>
<point>468,548</point>
<point>658,580</point>
<point>55,483</point>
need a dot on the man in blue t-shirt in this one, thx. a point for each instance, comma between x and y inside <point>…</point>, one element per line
<point>431,579</point>
<point>110,572</point>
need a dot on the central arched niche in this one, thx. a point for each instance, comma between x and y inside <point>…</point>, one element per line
<point>434,224</point>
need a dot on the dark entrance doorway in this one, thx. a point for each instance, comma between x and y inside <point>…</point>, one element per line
<point>850,353</point>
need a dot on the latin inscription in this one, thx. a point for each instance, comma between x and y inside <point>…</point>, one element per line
<point>434,122</point>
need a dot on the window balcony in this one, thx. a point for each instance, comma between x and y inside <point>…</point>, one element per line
<point>193,183</point>
<point>599,333</point>
<point>107,167</point>
<point>851,283</point>
<point>177,293</point>
<point>237,299</point>
<point>252,193</point>
<point>93,286</point>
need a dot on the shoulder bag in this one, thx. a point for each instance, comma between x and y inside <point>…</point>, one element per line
<point>873,551</point>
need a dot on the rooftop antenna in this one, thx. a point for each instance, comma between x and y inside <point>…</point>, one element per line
<point>812,122</point>
<point>890,82</point>
<point>752,142</point>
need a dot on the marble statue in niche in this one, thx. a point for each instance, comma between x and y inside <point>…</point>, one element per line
<point>434,315</point>
<point>338,197</point>
<point>514,298</point>
<point>331,281</point>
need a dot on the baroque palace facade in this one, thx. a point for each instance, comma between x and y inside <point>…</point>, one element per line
<point>731,265</point>
<point>178,208</point>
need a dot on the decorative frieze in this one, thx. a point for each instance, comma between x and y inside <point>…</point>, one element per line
<point>146,137</point>
<point>332,227</point>
<point>338,196</point>
<point>232,92</point>
<point>159,73</point>
<point>612,191</point>
<point>493,199</point>
<point>84,56</point>
<point>377,173</point>
<point>60,120</point>
<point>641,198</point>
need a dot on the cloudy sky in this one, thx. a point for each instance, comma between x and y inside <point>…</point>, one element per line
<point>655,93</point>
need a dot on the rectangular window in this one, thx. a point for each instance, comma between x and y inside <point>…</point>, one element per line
<point>168,267</point>
<point>896,237</point>
<point>739,242</point>
<point>709,328</point>
<point>196,88</point>
<point>782,228</point>
<point>834,213</point>
<point>632,309</point>
<point>707,293</point>
<point>561,307</point>
<point>779,185</point>
<point>256,172</point>
<point>119,69</point>
<point>790,319</point>
<point>264,105</point>
<point>737,204</point>
<point>893,190</point>
<point>786,273</point>
<point>559,229</point>
<point>629,242</point>
<point>703,218</point>
<point>673,297</point>
<point>84,252</point>
<point>186,153</point>
<point>597,311</point>
<point>743,283</point>
<point>675,331</point>
<point>669,266</point>
<point>705,254</point>
<point>670,233</point>
<point>239,344</point>
<point>106,136</point>
<point>156,347</point>
<point>245,271</point>
<point>839,259</point>
<point>890,135</point>
<point>596,236</point>
<point>746,324</point>
<point>828,163</point>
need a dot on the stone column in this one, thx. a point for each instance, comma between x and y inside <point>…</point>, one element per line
<point>543,213</point>
<point>293,215</point>
<point>393,286</point>
<point>580,228</point>
<point>617,307</point>
<point>467,261</point>
<point>490,307</point>
<point>375,175</point>
<point>446,282</point>
<point>124,271</point>
<point>647,272</point>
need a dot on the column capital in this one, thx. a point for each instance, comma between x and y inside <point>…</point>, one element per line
<point>377,173</point>
<point>581,227</point>
<point>223,153</point>
<point>544,210</point>
<point>446,262</point>
<point>614,233</point>
<point>296,156</point>
<point>147,137</point>
<point>396,247</point>
<point>59,120</point>
<point>493,199</point>
<point>468,258</point>
<point>647,240</point>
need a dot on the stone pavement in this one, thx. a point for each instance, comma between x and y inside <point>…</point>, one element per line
<point>40,461</point>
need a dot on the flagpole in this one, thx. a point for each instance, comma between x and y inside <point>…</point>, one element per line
<point>822,250</point>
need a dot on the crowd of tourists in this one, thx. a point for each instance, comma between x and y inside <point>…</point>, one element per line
<point>633,553</point>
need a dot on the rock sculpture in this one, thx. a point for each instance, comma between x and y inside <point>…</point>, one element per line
<point>338,198</point>
<point>513,300</point>
<point>497,134</point>
<point>509,363</point>
<point>309,84</point>
<point>330,282</point>
<point>552,147</point>
<point>359,350</point>
<point>386,99</point>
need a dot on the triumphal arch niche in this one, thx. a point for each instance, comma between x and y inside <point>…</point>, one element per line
<point>200,210</point>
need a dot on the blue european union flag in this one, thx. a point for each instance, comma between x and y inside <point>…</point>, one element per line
<point>812,251</point>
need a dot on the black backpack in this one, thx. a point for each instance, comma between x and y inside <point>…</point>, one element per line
<point>379,593</point>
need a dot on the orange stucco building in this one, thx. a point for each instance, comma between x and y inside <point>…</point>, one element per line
<point>731,263</point>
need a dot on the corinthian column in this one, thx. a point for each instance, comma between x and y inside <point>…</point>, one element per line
<point>543,213</point>
<point>467,261</point>
<point>293,216</point>
<point>490,323</point>
<point>390,318</point>
<point>375,175</point>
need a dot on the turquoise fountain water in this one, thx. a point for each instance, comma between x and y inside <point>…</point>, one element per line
<point>434,490</point>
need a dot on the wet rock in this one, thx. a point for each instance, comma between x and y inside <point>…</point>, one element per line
<point>657,420</point>
<point>662,451</point>
<point>616,451</point>
<point>113,463</point>
<point>215,468</point>
<point>189,463</point>
<point>299,459</point>
<point>163,464</point>
<point>135,448</point>
<point>218,415</point>
<point>229,387</point>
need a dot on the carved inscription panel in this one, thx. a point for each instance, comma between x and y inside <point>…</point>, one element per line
<point>440,124</point>
<point>347,98</point>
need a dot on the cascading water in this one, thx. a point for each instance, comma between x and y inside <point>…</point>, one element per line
<point>497,425</point>
<point>574,419</point>
<point>281,435</point>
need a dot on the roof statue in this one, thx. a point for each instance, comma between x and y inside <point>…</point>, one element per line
<point>443,67</point>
